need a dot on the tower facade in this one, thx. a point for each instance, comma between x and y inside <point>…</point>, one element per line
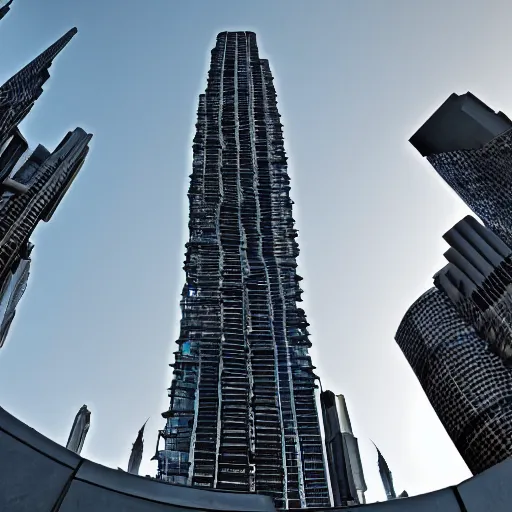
<point>242,412</point>
<point>457,339</point>
<point>19,93</point>
<point>470,146</point>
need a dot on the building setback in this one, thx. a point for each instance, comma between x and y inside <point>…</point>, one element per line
<point>242,412</point>
<point>33,193</point>
<point>457,339</point>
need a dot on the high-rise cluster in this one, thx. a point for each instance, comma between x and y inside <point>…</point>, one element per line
<point>458,335</point>
<point>32,183</point>
<point>242,412</point>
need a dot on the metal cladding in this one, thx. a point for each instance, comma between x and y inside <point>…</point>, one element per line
<point>4,9</point>
<point>137,452</point>
<point>468,386</point>
<point>79,430</point>
<point>478,280</point>
<point>343,487</point>
<point>242,412</point>
<point>18,94</point>
<point>386,476</point>
<point>474,157</point>
<point>43,179</point>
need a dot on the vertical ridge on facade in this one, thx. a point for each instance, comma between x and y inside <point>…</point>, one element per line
<point>243,412</point>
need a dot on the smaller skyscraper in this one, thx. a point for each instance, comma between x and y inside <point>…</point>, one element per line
<point>344,461</point>
<point>457,338</point>
<point>79,430</point>
<point>137,452</point>
<point>386,476</point>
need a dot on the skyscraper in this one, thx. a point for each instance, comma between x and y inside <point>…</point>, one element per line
<point>468,144</point>
<point>386,476</point>
<point>457,339</point>
<point>137,452</point>
<point>242,412</point>
<point>18,94</point>
<point>345,469</point>
<point>38,184</point>
<point>79,430</point>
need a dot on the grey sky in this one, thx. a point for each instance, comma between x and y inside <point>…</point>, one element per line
<point>355,79</point>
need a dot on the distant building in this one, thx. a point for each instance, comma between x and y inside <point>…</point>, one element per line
<point>346,471</point>
<point>468,144</point>
<point>457,338</point>
<point>386,476</point>
<point>5,7</point>
<point>79,430</point>
<point>32,188</point>
<point>137,452</point>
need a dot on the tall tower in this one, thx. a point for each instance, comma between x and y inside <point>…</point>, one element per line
<point>242,412</point>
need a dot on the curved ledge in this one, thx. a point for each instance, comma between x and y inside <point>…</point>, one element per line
<point>38,475</point>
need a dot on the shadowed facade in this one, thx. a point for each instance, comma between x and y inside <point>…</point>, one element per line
<point>242,414</point>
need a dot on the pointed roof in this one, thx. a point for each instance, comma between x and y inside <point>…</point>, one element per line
<point>20,92</point>
<point>137,451</point>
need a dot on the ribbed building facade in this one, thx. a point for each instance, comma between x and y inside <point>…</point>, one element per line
<point>242,412</point>
<point>458,336</point>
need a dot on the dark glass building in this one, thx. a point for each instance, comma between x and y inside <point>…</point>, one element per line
<point>37,184</point>
<point>19,93</point>
<point>13,288</point>
<point>457,338</point>
<point>469,145</point>
<point>242,412</point>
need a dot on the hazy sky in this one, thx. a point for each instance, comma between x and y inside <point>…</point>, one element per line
<point>355,79</point>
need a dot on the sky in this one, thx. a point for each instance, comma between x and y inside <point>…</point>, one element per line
<point>355,79</point>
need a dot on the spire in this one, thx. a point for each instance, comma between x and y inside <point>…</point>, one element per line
<point>19,93</point>
<point>137,449</point>
<point>5,9</point>
<point>385,475</point>
<point>79,430</point>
